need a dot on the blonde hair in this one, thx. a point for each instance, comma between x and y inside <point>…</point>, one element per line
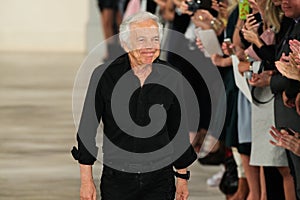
<point>231,6</point>
<point>273,16</point>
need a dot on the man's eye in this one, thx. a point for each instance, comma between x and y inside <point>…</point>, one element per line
<point>156,39</point>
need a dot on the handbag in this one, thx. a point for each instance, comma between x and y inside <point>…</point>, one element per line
<point>262,95</point>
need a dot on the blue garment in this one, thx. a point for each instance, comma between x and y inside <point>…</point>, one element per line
<point>244,119</point>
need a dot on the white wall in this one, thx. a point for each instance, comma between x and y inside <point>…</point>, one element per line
<point>46,25</point>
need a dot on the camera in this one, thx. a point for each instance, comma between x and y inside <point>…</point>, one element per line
<point>198,4</point>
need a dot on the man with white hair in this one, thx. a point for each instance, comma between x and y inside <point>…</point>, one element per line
<point>138,158</point>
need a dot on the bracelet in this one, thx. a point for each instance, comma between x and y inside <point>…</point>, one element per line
<point>224,21</point>
<point>215,24</point>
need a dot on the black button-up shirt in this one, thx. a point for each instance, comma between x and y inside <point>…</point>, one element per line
<point>98,105</point>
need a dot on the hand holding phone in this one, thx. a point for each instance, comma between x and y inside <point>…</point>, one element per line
<point>228,43</point>
<point>257,18</point>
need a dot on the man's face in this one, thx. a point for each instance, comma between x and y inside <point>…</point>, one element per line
<point>145,43</point>
<point>291,8</point>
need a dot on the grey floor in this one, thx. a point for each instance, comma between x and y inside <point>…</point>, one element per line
<point>37,130</point>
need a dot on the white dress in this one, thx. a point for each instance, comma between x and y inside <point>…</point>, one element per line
<point>263,153</point>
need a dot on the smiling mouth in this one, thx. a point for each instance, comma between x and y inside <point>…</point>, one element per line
<point>148,54</point>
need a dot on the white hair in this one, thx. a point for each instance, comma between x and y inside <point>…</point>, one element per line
<point>137,17</point>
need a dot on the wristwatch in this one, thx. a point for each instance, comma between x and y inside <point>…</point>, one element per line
<point>183,176</point>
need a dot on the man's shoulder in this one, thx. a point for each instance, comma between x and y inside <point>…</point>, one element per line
<point>118,65</point>
<point>112,66</point>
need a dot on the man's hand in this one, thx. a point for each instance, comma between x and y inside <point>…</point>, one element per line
<point>182,191</point>
<point>87,188</point>
<point>88,191</point>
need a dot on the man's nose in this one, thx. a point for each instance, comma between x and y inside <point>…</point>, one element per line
<point>149,44</point>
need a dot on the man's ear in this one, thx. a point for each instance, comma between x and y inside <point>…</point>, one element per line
<point>125,46</point>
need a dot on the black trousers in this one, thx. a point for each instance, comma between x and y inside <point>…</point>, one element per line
<point>157,185</point>
<point>294,163</point>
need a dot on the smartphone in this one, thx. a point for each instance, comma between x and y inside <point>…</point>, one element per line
<point>257,17</point>
<point>244,9</point>
<point>228,42</point>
